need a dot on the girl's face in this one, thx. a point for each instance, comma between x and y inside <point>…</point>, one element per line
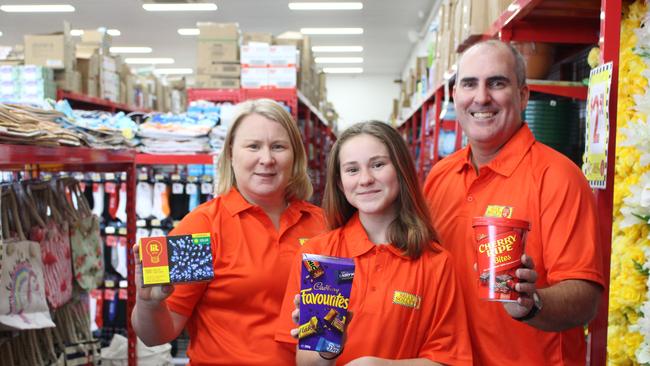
<point>368,176</point>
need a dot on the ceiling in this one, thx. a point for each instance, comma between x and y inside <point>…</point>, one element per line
<point>389,26</point>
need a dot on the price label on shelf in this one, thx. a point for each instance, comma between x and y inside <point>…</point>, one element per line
<point>594,164</point>
<point>177,188</point>
<point>206,188</point>
<point>190,188</point>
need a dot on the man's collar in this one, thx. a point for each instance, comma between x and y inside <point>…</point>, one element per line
<point>509,156</point>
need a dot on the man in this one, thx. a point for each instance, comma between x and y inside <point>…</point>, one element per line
<point>504,171</point>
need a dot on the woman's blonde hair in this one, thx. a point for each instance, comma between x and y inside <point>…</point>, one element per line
<point>412,230</point>
<point>299,186</point>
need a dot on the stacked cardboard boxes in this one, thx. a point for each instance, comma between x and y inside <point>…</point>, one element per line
<point>218,56</point>
<point>98,69</point>
<point>56,51</point>
<point>268,66</point>
<point>254,65</point>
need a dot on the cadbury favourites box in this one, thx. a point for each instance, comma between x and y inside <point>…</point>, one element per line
<point>324,298</point>
<point>175,259</point>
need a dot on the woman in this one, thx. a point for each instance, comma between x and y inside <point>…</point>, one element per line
<point>257,223</point>
<point>375,207</point>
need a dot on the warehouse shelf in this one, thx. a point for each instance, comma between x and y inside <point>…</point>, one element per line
<point>82,101</point>
<point>27,157</point>
<point>575,90</point>
<point>317,135</point>
<point>30,158</point>
<point>171,159</point>
<point>217,95</point>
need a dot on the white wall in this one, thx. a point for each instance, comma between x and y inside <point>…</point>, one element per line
<point>358,98</point>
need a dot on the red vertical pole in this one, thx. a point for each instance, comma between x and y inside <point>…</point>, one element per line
<point>610,33</point>
<point>423,137</point>
<point>414,134</point>
<point>130,237</point>
<point>436,128</point>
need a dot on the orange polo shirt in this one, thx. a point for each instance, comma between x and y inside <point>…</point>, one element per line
<point>436,330</point>
<point>530,181</point>
<point>232,318</point>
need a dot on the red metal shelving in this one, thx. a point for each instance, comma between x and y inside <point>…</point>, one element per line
<point>171,159</point>
<point>83,159</point>
<point>215,95</point>
<point>317,134</point>
<point>82,101</point>
<point>569,91</point>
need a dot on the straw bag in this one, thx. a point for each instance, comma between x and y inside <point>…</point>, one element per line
<point>51,232</point>
<point>85,238</point>
<point>73,331</point>
<point>32,348</point>
<point>22,304</point>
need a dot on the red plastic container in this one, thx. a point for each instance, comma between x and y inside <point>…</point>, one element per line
<point>499,246</point>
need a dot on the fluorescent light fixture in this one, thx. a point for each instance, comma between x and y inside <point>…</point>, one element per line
<point>343,70</point>
<point>131,49</point>
<point>189,31</point>
<point>338,60</point>
<point>80,32</point>
<point>0,34</point>
<point>173,71</point>
<point>334,49</point>
<point>326,6</point>
<point>337,31</point>
<point>180,7</point>
<point>149,60</point>
<point>66,8</point>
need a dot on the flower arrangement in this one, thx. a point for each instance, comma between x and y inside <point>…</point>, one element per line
<point>628,340</point>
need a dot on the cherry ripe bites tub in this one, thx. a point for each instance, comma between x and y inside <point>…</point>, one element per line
<point>325,285</point>
<point>499,246</point>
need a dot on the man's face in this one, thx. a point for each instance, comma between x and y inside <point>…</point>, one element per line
<point>487,97</point>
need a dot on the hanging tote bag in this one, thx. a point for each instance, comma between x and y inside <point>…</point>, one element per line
<point>22,304</point>
<point>51,232</point>
<point>85,237</point>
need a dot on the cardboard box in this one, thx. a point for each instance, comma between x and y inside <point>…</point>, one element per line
<point>256,55</point>
<point>176,259</point>
<point>254,77</point>
<point>325,288</point>
<point>97,37</point>
<point>477,18</point>
<point>211,52</point>
<point>69,80</point>
<point>221,70</point>
<point>257,37</point>
<point>50,50</point>
<point>215,82</point>
<point>218,31</point>
<point>282,77</point>
<point>91,87</point>
<point>283,56</point>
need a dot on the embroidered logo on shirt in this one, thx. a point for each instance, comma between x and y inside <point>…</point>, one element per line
<point>406,299</point>
<point>302,241</point>
<point>498,211</point>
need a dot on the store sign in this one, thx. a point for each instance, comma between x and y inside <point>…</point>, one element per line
<point>597,127</point>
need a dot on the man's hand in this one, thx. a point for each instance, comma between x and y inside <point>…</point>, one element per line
<point>526,288</point>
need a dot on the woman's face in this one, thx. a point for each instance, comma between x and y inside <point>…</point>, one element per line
<point>368,176</point>
<point>262,159</point>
